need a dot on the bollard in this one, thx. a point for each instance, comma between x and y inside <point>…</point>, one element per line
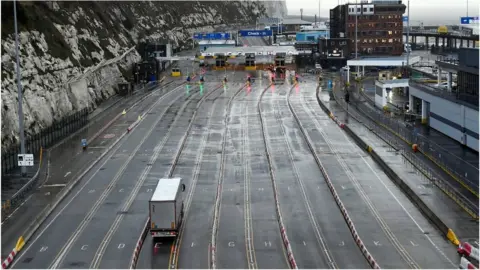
<point>415,147</point>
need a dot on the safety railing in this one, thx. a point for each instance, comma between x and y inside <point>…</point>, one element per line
<point>45,138</point>
<point>460,169</point>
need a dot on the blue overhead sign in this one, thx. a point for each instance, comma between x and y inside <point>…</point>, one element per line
<point>219,35</point>
<point>405,18</point>
<point>255,33</point>
<point>468,20</point>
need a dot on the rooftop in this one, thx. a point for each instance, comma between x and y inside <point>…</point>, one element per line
<point>257,50</point>
<point>295,21</point>
<point>166,190</point>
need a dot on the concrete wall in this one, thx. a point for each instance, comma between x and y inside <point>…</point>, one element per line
<point>452,119</point>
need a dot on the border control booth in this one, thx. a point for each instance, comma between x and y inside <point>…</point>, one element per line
<point>250,63</point>
<point>220,61</point>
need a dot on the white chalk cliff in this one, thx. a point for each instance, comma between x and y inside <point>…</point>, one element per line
<point>72,54</point>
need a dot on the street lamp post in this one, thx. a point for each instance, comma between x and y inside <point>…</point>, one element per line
<point>19,86</point>
<point>356,31</point>
<point>408,34</point>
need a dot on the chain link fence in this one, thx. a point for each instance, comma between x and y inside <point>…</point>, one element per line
<point>462,171</point>
<point>466,200</point>
<point>45,138</point>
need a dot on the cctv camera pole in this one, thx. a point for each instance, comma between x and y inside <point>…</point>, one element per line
<point>408,34</point>
<point>356,30</point>
<point>19,86</point>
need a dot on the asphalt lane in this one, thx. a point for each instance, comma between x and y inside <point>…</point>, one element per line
<point>331,225</point>
<point>196,236</point>
<point>67,161</point>
<point>371,182</point>
<point>267,241</point>
<point>248,233</point>
<point>452,214</point>
<point>448,210</point>
<point>231,239</point>
<point>160,145</point>
<point>300,230</point>
<point>184,169</point>
<point>41,252</point>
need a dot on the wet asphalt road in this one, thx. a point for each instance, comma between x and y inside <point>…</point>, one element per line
<point>99,223</point>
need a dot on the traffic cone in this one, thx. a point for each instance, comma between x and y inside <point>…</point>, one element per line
<point>124,112</point>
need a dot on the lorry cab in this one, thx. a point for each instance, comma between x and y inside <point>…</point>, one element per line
<point>166,208</point>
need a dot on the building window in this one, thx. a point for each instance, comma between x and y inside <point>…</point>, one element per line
<point>371,9</point>
<point>364,9</point>
<point>390,32</point>
<point>390,40</point>
<point>370,40</point>
<point>384,40</point>
<point>365,40</point>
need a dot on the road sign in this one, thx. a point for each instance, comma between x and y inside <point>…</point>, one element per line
<point>405,18</point>
<point>219,35</point>
<point>255,33</point>
<point>469,20</point>
<point>25,159</point>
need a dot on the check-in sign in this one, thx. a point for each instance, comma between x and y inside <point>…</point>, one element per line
<point>255,33</point>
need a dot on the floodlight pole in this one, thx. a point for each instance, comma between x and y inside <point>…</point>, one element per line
<point>21,128</point>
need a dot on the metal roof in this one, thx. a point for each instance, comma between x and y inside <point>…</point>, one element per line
<point>394,61</point>
<point>295,21</point>
<point>257,50</point>
<point>217,42</point>
<point>167,189</point>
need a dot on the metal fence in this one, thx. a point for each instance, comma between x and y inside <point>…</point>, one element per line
<point>45,138</point>
<point>464,172</point>
<point>467,202</point>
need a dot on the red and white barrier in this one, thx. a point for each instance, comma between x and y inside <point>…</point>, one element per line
<point>465,264</point>
<point>9,259</point>
<point>351,226</point>
<point>468,250</point>
<point>138,247</point>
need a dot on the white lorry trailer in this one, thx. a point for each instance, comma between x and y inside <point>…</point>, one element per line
<point>166,208</point>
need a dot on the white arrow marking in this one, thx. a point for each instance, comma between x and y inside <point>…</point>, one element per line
<point>413,244</point>
<point>122,245</point>
<point>268,244</point>
<point>192,244</point>
<point>377,243</point>
<point>231,244</point>
<point>67,174</point>
<point>43,249</point>
<point>84,247</point>
<point>342,244</point>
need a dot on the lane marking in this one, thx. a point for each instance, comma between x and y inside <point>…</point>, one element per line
<point>107,157</point>
<point>67,174</point>
<point>401,205</point>
<point>54,185</point>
